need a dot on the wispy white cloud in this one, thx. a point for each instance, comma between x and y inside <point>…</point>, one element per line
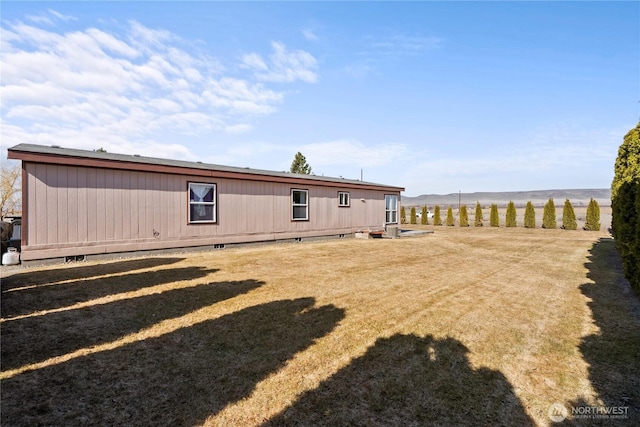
<point>109,43</point>
<point>283,65</point>
<point>61,17</point>
<point>131,90</point>
<point>237,129</point>
<point>380,49</point>
<point>556,156</point>
<point>50,17</point>
<point>241,96</point>
<point>106,137</point>
<point>339,157</point>
<point>310,35</point>
<point>580,142</point>
<point>359,70</point>
<point>254,62</point>
<point>353,153</point>
<point>40,19</point>
<point>259,154</point>
<point>402,44</point>
<point>148,38</point>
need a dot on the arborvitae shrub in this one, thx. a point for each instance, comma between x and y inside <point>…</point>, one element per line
<point>549,215</point>
<point>569,216</point>
<point>479,220</point>
<point>494,218</point>
<point>450,220</point>
<point>510,220</point>
<point>464,216</point>
<point>593,216</point>
<point>403,215</point>
<point>625,206</point>
<point>412,216</point>
<point>626,223</point>
<point>424,219</point>
<point>437,219</point>
<point>529,216</point>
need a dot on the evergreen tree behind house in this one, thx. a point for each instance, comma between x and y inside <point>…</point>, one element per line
<point>412,215</point>
<point>300,165</point>
<point>424,219</point>
<point>403,215</point>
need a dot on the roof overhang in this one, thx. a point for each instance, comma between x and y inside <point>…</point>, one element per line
<point>94,159</point>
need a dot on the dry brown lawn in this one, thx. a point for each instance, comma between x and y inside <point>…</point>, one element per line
<point>474,326</point>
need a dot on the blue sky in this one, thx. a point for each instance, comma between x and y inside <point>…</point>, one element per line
<point>437,97</point>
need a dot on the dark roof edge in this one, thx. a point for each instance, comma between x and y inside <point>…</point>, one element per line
<point>43,152</point>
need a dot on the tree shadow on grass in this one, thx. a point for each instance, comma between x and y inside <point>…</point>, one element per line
<point>180,378</point>
<point>613,354</point>
<point>75,272</point>
<point>36,339</point>
<point>32,300</point>
<point>407,380</point>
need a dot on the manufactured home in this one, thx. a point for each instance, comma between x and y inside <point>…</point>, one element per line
<point>79,203</point>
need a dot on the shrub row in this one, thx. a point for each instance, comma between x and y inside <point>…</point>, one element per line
<point>548,221</point>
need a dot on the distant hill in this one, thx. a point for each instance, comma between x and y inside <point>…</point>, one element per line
<point>520,198</point>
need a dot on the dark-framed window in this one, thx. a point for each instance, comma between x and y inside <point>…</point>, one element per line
<point>344,199</point>
<point>202,202</point>
<point>299,205</point>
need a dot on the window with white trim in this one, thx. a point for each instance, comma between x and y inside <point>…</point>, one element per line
<point>391,209</point>
<point>202,202</point>
<point>300,205</point>
<point>343,199</point>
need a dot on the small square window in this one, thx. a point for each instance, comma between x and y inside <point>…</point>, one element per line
<point>202,202</point>
<point>343,199</point>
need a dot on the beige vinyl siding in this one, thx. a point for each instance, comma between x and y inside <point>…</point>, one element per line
<point>245,207</point>
<point>72,204</point>
<point>81,217</point>
<point>51,196</point>
<point>83,210</point>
